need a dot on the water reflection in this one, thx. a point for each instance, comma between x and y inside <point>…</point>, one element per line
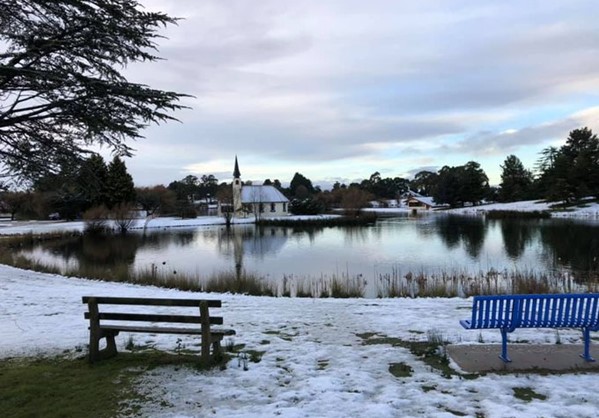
<point>573,245</point>
<point>468,231</point>
<point>517,235</point>
<point>425,244</point>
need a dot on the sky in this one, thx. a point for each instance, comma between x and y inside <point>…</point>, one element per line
<point>338,90</point>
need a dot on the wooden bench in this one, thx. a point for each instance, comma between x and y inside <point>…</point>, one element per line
<point>108,322</point>
<point>509,312</point>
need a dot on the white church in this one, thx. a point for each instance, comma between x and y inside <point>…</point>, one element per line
<point>258,201</point>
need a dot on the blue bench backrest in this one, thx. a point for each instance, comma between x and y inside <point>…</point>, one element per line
<point>536,311</point>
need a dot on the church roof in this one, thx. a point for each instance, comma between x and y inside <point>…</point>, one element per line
<point>261,194</point>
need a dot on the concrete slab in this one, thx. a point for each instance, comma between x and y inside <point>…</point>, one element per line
<point>525,357</point>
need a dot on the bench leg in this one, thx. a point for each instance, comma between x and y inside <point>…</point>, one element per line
<point>216,350</point>
<point>94,346</point>
<point>110,350</point>
<point>504,355</point>
<point>586,333</point>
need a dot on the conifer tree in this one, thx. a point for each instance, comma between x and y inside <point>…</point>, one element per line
<point>120,187</point>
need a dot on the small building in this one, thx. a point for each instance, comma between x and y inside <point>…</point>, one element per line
<point>416,203</point>
<point>259,201</point>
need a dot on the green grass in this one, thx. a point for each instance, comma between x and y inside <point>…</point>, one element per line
<point>430,352</point>
<point>65,387</point>
<point>527,394</point>
<point>400,370</point>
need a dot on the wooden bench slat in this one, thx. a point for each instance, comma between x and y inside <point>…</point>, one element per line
<point>165,330</point>
<point>183,319</point>
<point>111,300</point>
<point>119,321</point>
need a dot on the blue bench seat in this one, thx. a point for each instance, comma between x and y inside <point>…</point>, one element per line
<point>509,312</point>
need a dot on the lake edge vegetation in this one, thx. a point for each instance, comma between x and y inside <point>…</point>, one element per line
<point>334,285</point>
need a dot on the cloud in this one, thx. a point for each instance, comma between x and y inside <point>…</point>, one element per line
<point>368,84</point>
<point>510,140</point>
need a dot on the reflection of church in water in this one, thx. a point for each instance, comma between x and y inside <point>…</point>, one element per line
<point>257,242</point>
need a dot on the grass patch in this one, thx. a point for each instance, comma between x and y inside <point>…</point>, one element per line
<point>527,394</point>
<point>254,356</point>
<point>65,387</point>
<point>431,352</point>
<point>400,370</point>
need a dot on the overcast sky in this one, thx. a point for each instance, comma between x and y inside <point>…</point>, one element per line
<point>337,90</point>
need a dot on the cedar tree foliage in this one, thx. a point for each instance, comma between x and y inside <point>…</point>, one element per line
<point>61,89</point>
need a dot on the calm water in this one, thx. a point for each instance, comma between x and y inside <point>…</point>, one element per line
<point>429,244</point>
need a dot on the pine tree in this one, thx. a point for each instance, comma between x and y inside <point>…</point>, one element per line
<point>120,187</point>
<point>516,181</point>
<point>92,181</point>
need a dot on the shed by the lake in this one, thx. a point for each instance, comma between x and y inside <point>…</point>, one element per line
<point>415,202</point>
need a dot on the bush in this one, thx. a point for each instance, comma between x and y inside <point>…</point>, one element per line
<point>306,206</point>
<point>123,216</point>
<point>96,220</point>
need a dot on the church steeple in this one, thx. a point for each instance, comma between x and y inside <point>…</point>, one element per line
<point>236,172</point>
<point>237,205</point>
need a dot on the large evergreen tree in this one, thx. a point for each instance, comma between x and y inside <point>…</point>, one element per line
<point>93,181</point>
<point>474,183</point>
<point>516,181</point>
<point>61,85</point>
<point>572,171</point>
<point>582,153</point>
<point>299,180</point>
<point>120,187</point>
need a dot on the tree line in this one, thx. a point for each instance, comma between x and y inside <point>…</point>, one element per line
<point>562,174</point>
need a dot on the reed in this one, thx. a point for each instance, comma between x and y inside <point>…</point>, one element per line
<point>492,282</point>
<point>243,283</point>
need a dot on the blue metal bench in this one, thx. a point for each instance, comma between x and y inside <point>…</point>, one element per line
<point>508,312</point>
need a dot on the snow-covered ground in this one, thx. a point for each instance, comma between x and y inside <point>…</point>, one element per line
<point>314,363</point>
<point>590,210</point>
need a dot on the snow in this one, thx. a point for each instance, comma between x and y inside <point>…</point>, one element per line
<point>590,210</point>
<point>314,364</point>
<point>44,227</point>
<point>261,194</point>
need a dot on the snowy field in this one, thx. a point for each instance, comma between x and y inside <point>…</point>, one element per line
<point>314,363</point>
<point>590,210</point>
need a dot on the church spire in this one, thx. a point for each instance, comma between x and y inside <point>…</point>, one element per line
<point>236,173</point>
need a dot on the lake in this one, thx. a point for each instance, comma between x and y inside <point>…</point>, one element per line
<point>435,245</point>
